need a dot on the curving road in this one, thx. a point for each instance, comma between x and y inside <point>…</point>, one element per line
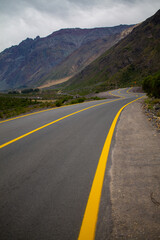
<point>48,161</point>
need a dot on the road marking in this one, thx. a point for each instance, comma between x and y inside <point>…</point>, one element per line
<point>46,110</point>
<point>134,94</point>
<point>50,109</point>
<point>88,227</point>
<point>115,94</point>
<point>48,124</point>
<point>129,89</point>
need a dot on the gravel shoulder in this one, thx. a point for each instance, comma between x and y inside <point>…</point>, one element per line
<point>135,177</point>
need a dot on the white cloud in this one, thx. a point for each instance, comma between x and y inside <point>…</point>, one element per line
<point>20,19</point>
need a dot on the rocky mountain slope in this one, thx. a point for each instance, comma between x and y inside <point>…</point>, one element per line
<point>83,56</point>
<point>127,62</point>
<point>26,65</point>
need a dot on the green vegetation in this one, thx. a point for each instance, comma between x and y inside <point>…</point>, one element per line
<point>30,90</point>
<point>125,64</point>
<point>12,106</point>
<point>78,100</point>
<point>63,100</point>
<point>151,85</point>
<point>96,98</point>
<point>16,103</point>
<point>69,100</point>
<point>153,104</point>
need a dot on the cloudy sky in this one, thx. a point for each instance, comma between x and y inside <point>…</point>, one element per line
<point>20,19</point>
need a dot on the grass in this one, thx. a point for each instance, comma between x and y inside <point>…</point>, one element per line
<point>12,105</point>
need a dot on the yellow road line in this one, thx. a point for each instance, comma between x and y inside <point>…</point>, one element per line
<point>48,124</point>
<point>25,115</point>
<point>126,91</point>
<point>88,227</point>
<point>119,93</point>
<point>134,94</point>
<point>115,95</point>
<point>121,90</point>
<point>50,109</point>
<point>129,89</point>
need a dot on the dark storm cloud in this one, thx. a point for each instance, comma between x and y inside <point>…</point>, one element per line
<point>28,18</point>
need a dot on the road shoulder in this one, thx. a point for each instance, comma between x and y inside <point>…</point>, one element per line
<point>135,177</point>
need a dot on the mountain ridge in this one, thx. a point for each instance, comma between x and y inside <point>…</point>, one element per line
<point>24,65</point>
<point>127,62</point>
<point>83,56</point>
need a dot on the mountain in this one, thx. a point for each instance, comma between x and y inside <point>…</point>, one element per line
<point>27,64</point>
<point>127,62</point>
<point>82,57</point>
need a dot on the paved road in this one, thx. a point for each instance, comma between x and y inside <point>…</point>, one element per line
<point>47,175</point>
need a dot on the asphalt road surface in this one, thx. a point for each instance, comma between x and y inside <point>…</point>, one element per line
<point>46,175</point>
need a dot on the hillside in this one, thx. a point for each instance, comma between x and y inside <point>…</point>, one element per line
<point>82,57</point>
<point>127,62</point>
<point>26,65</point>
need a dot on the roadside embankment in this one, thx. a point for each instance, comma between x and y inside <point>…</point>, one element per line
<point>152,110</point>
<point>135,177</point>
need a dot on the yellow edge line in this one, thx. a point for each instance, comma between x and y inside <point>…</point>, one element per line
<point>88,227</point>
<point>48,124</point>
<point>25,115</point>
<point>50,109</point>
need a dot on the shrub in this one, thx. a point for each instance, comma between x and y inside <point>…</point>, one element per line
<point>30,90</point>
<point>151,85</point>
<point>58,103</point>
<point>77,100</point>
<point>96,98</point>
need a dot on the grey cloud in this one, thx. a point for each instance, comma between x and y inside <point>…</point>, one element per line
<point>64,6</point>
<point>27,18</point>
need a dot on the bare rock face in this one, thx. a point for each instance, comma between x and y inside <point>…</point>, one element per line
<point>26,64</point>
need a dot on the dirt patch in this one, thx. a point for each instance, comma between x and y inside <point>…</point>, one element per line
<point>54,82</point>
<point>135,177</point>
